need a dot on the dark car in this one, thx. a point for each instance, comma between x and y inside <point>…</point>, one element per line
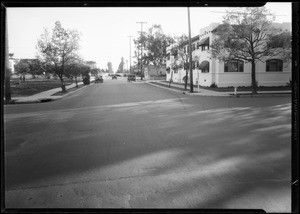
<point>131,78</point>
<point>114,77</point>
<point>99,80</point>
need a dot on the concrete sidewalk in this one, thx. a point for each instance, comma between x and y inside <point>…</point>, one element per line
<point>44,96</point>
<point>205,92</point>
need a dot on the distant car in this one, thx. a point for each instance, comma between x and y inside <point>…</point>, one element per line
<point>114,77</point>
<point>131,78</point>
<point>99,80</point>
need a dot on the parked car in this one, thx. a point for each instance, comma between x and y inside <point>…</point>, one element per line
<point>131,77</point>
<point>99,80</point>
<point>114,77</point>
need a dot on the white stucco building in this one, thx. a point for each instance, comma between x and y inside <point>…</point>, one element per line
<point>12,62</point>
<point>208,71</point>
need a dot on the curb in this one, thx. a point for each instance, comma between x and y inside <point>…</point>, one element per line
<point>69,93</point>
<point>165,87</point>
<point>262,95</point>
<point>222,94</point>
<point>46,99</point>
<point>188,93</point>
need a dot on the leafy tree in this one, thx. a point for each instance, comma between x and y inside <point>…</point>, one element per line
<point>247,34</point>
<point>95,71</point>
<point>22,67</point>
<point>282,42</point>
<point>74,69</point>
<point>58,49</point>
<point>154,44</point>
<point>29,66</point>
<point>35,67</point>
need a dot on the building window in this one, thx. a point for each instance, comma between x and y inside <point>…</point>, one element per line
<point>234,66</point>
<point>274,65</point>
<point>204,67</point>
<point>168,70</point>
<point>204,47</point>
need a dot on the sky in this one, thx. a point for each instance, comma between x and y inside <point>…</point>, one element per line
<point>105,31</point>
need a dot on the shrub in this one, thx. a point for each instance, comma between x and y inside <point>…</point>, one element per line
<point>213,85</point>
<point>86,80</point>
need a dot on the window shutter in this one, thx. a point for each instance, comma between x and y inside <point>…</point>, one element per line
<point>268,65</point>
<point>241,66</point>
<point>280,63</point>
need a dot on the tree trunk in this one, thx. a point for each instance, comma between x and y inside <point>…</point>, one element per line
<point>171,79</point>
<point>63,87</point>
<point>253,78</point>
<point>76,81</point>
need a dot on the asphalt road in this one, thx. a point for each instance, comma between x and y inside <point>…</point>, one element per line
<point>134,145</point>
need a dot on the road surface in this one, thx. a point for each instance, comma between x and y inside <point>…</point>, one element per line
<point>134,145</point>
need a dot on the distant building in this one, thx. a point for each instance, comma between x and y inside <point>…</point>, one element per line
<point>109,67</point>
<point>12,62</point>
<point>209,71</point>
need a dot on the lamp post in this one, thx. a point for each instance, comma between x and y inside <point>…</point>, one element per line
<point>190,53</point>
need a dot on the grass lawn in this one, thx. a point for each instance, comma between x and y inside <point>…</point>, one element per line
<point>34,86</point>
<point>231,89</point>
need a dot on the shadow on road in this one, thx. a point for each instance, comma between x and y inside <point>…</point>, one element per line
<point>215,157</point>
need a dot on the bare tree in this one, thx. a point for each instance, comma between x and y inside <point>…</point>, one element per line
<point>246,34</point>
<point>181,57</point>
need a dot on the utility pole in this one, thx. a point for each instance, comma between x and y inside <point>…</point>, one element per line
<point>7,70</point>
<point>129,54</point>
<point>141,48</point>
<point>190,53</point>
